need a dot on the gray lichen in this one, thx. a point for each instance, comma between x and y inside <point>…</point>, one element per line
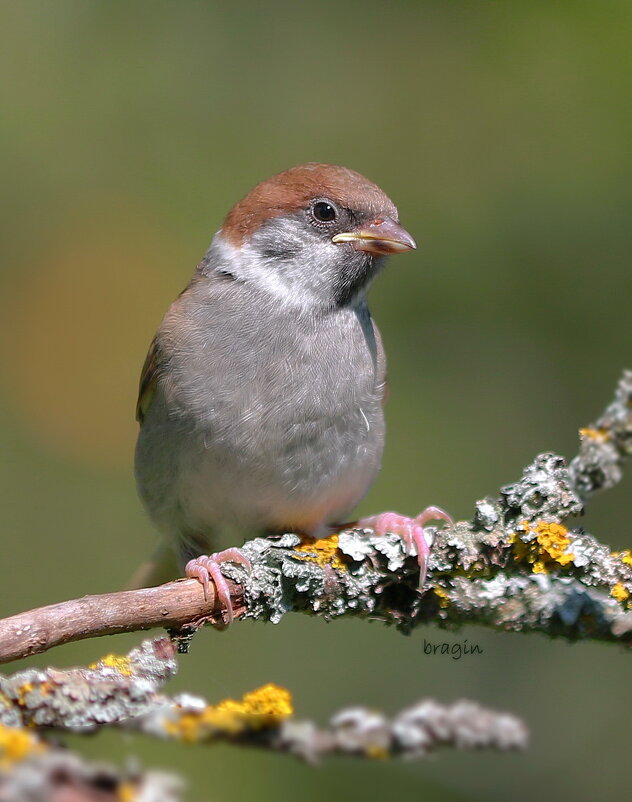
<point>56,774</point>
<point>545,489</point>
<point>83,699</point>
<point>605,444</point>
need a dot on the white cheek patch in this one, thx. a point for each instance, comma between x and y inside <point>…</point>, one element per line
<point>300,280</point>
<point>246,264</point>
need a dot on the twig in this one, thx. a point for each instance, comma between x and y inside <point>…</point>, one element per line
<point>124,692</point>
<point>173,606</point>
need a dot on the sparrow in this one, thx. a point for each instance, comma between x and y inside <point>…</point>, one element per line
<point>261,398</point>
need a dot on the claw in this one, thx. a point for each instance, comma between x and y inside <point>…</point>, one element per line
<point>207,567</point>
<point>411,530</point>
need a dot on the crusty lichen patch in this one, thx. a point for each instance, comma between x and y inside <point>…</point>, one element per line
<point>619,592</point>
<point>23,691</point>
<point>80,699</point>
<point>600,435</point>
<point>127,792</point>
<point>262,708</point>
<point>120,664</point>
<point>547,543</point>
<point>16,744</point>
<point>442,596</point>
<point>323,551</point>
<point>624,556</point>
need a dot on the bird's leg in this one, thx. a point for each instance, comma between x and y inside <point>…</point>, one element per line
<point>411,530</point>
<point>208,566</point>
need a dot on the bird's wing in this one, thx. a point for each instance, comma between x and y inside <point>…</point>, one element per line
<point>148,380</point>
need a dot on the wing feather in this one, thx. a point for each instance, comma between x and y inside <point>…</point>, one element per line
<point>148,380</point>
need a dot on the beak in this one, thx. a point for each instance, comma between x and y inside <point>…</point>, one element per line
<point>381,236</point>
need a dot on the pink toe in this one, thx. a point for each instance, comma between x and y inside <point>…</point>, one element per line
<point>433,514</point>
<point>384,523</point>
<point>222,590</point>
<point>233,555</point>
<point>393,523</point>
<point>207,567</point>
<point>411,530</point>
<point>195,569</point>
<point>423,550</point>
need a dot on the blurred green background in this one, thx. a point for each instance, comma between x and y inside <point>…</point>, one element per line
<point>503,133</point>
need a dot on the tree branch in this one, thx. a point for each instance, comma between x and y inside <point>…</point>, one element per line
<point>515,566</point>
<point>174,605</point>
<point>124,692</point>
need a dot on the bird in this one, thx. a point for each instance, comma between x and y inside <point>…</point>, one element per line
<point>261,400</point>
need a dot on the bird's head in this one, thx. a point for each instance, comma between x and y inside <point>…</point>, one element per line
<point>314,235</point>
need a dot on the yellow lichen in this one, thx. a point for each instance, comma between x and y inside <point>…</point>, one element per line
<point>376,752</point>
<point>126,792</point>
<point>115,661</point>
<point>17,744</point>
<point>553,539</point>
<point>444,601</point>
<point>270,701</point>
<point>619,592</point>
<point>624,556</point>
<point>323,552</point>
<point>601,435</point>
<point>549,546</point>
<point>264,707</point>
<point>187,727</point>
<point>44,687</point>
<point>23,691</point>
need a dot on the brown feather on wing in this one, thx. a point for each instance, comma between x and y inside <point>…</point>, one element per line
<point>148,380</point>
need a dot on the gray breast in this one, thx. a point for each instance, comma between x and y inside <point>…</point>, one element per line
<point>271,419</point>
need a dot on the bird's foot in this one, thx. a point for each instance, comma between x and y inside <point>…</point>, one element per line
<point>411,530</point>
<point>208,566</point>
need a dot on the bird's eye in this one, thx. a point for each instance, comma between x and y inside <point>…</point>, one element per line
<point>324,212</point>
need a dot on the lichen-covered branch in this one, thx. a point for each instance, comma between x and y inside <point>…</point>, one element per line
<point>125,692</point>
<point>517,565</point>
<point>605,445</point>
<point>32,770</point>
<point>520,564</point>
